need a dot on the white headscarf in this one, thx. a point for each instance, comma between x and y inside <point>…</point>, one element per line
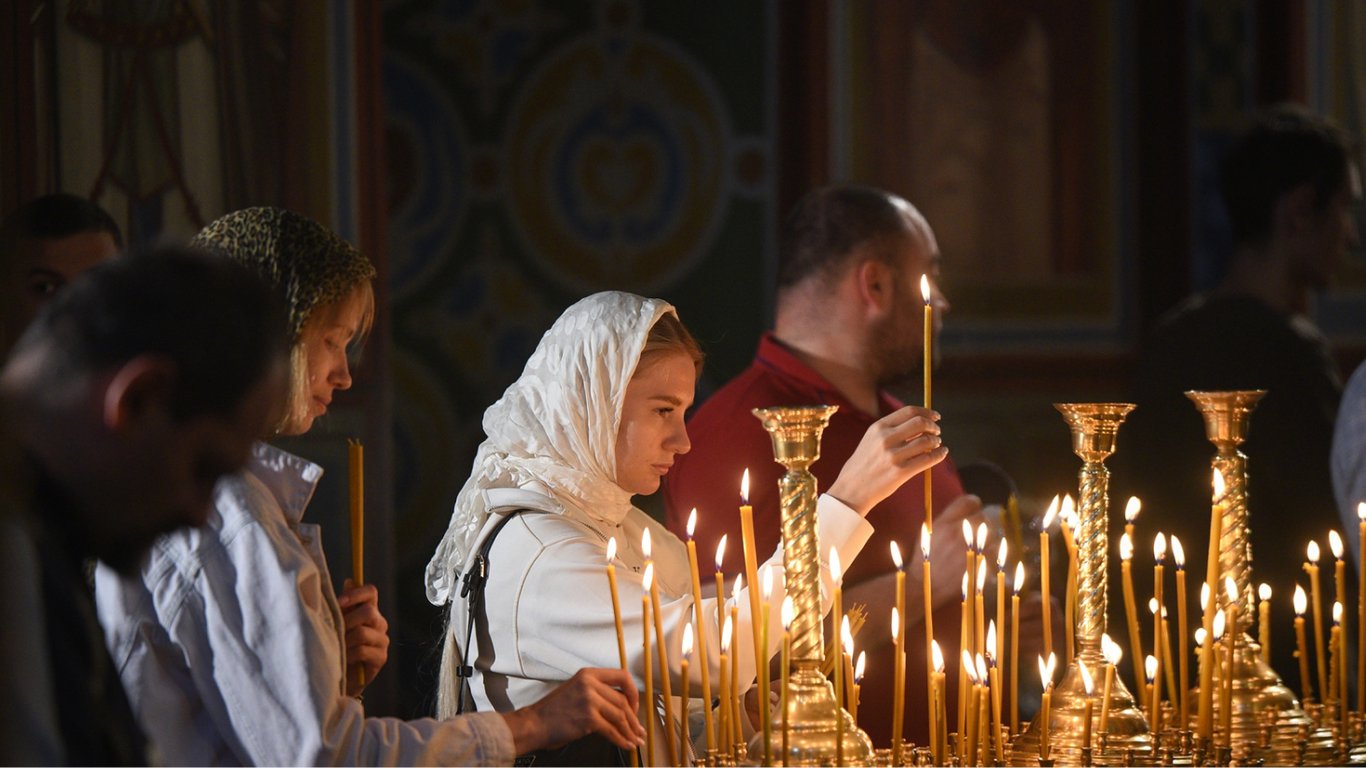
<point>555,428</point>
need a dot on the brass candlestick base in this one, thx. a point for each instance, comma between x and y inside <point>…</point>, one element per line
<point>1094,428</point>
<point>818,732</point>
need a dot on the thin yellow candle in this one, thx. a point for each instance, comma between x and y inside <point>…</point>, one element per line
<point>737,709</point>
<point>685,738</point>
<point>1301,649</point>
<point>1361,609</point>
<point>724,718</point>
<point>355,454</point>
<point>1312,568</point>
<point>1046,679</point>
<point>1131,509</point>
<point>1154,694</point>
<point>723,691</point>
<point>788,612</point>
<point>1015,648</point>
<point>899,644</point>
<point>751,569</point>
<point>859,668</point>
<point>765,717</point>
<point>1223,635</point>
<point>1339,615</point>
<point>1126,556</point>
<point>994,676</point>
<point>1264,621</point>
<point>925,539</point>
<point>1113,654</point>
<point>938,709</point>
<point>847,649</point>
<point>1044,589</point>
<point>616,606</point>
<point>1183,688</point>
<point>839,686</point>
<point>1090,688</point>
<point>964,641</point>
<point>665,684</point>
<point>927,360</point>
<point>998,648</point>
<point>1205,726</point>
<point>648,703</point>
<point>1069,526</point>
<point>1340,595</point>
<point>1167,664</point>
<point>982,734</point>
<point>695,573</point>
<point>968,738</point>
<point>1159,558</point>
<point>969,540</point>
<point>1334,638</point>
<point>980,608</point>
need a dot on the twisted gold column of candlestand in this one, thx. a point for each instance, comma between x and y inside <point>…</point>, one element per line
<point>1094,428</point>
<point>813,721</point>
<point>1257,690</point>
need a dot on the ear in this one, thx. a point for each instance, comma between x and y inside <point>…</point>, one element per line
<point>141,386</point>
<point>874,282</point>
<point>1294,211</point>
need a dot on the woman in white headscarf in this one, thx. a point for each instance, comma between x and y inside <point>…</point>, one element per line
<point>597,417</point>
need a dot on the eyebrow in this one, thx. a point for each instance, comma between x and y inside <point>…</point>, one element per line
<point>670,399</point>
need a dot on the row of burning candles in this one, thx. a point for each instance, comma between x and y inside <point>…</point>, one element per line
<point>979,718</point>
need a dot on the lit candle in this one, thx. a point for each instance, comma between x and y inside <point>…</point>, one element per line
<point>723,722</point>
<point>839,689</point>
<point>969,738</point>
<point>1226,692</point>
<point>616,606</point>
<point>1045,591</point>
<point>737,710</point>
<point>1179,557</point>
<point>898,642</point>
<point>1334,638</point>
<point>1015,648</point>
<point>998,648</point>
<point>1312,568</point>
<point>685,738</point>
<point>1361,610</point>
<point>1338,617</point>
<point>1231,634</point>
<point>751,570</point>
<point>964,642</point>
<point>980,736</point>
<point>1090,687</point>
<point>355,454</point>
<point>665,685</point>
<point>1340,595</point>
<point>710,732</point>
<point>1205,727</point>
<point>1131,509</point>
<point>1112,653</point>
<point>994,677</point>
<point>647,662</point>
<point>859,668</point>
<point>1167,664</point>
<point>1264,621</point>
<point>939,739</point>
<point>1154,678</point>
<point>1154,694</point>
<point>1159,558</point>
<point>1126,555</point>
<point>787,614</point>
<point>925,539</point>
<point>847,649</point>
<point>765,717</point>
<point>1069,527</point>
<point>927,354</point>
<point>980,611</point>
<point>1046,678</point>
<point>720,618</point>
<point>1301,649</point>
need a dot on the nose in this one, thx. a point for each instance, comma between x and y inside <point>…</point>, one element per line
<point>341,373</point>
<point>678,441</point>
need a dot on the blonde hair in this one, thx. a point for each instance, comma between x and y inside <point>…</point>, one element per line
<point>296,405</point>
<point>670,335</point>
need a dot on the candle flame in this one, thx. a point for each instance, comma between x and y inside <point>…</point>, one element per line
<point>1178,553</point>
<point>1312,552</point>
<point>1019,577</point>
<point>1337,612</point>
<point>721,551</point>
<point>1301,601</point>
<point>1131,509</point>
<point>1199,636</point>
<point>768,583</point>
<point>982,537</point>
<point>1086,681</point>
<point>896,555</point>
<point>735,588</point>
<point>611,549</point>
<point>965,584</point>
<point>896,624</point>
<point>982,670</point>
<point>1045,677</point>
<point>937,654</point>
<point>1264,591</point>
<point>726,631</point>
<point>846,636</point>
<point>1361,511</point>
<point>1152,605</point>
<point>925,288</point>
<point>1160,548</point>
<point>645,543</point>
<point>969,667</point>
<point>1219,623</point>
<point>860,666</point>
<point>744,487</point>
<point>1335,544</point>
<point>1126,547</point>
<point>687,640</point>
<point>1111,650</point>
<point>1051,513</point>
<point>1150,667</point>
<point>649,576</point>
<point>1231,589</point>
<point>787,611</point>
<point>1068,510</point>
<point>692,522</point>
<point>967,534</point>
<point>1001,557</point>
<point>836,573</point>
<point>1204,595</point>
<point>981,575</point>
<point>1218,484</point>
<point>991,640</point>
<point>924,541</point>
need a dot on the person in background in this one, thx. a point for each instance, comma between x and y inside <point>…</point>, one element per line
<point>231,641</point>
<point>128,397</point>
<point>44,245</point>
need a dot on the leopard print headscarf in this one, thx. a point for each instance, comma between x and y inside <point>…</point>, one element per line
<point>308,263</point>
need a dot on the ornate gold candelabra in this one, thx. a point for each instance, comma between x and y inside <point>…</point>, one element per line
<point>814,724</point>
<point>1258,691</point>
<point>1094,427</point>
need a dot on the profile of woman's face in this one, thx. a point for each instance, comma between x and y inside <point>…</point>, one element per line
<point>325,337</point>
<point>652,432</point>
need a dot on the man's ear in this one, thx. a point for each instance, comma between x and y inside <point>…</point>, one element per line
<point>1294,210</point>
<point>874,280</point>
<point>141,386</point>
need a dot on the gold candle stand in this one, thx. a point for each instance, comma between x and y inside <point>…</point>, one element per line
<point>814,726</point>
<point>1257,690</point>
<point>1094,427</point>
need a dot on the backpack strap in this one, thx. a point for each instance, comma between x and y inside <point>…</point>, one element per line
<point>472,590</point>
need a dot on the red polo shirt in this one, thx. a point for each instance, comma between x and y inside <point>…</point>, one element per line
<point>727,439</point>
